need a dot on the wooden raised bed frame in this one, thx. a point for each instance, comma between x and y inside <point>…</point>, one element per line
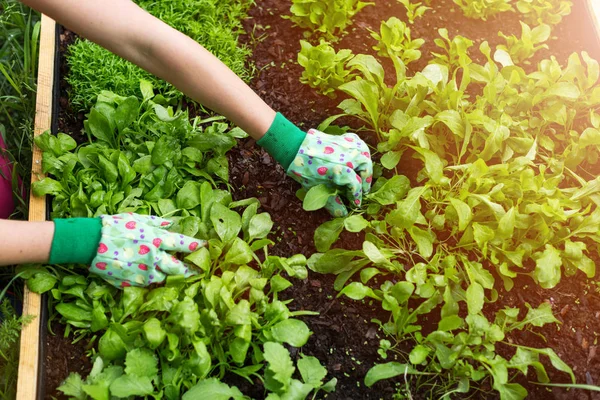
<point>27,386</point>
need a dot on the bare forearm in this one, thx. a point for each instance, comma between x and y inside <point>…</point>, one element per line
<point>127,30</point>
<point>25,242</point>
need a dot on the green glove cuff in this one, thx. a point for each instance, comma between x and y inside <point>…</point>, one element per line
<point>282,140</point>
<point>75,240</point>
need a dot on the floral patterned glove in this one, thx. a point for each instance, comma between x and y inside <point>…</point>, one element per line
<point>133,250</point>
<point>342,161</point>
<point>318,158</point>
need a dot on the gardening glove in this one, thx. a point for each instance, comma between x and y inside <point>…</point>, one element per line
<point>318,158</point>
<point>125,249</point>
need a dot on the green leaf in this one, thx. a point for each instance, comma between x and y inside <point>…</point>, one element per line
<point>510,391</point>
<point>73,312</point>
<point>358,291</point>
<point>547,267</point>
<point>355,223</point>
<point>311,370</point>
<point>391,191</point>
<point>127,385</point>
<point>260,226</point>
<point>99,127</point>
<point>537,316</point>
<point>226,222</point>
<point>464,213</point>
<point>146,89</point>
<point>212,389</point>
<point>423,239</point>
<point>367,93</point>
<point>433,164</point>
<point>387,371</point>
<point>450,323</point>
<point>47,186</point>
<point>475,298</point>
<point>200,258</point>
<point>279,363</point>
<point>188,196</point>
<point>73,386</point>
<point>291,331</point>
<point>407,211</point>
<point>186,316</point>
<point>141,362</point>
<point>374,254</point>
<point>41,282</point>
<point>419,354</point>
<point>111,346</point>
<point>240,253</point>
<point>328,233</point>
<point>565,90</point>
<point>390,159</point>
<point>317,197</point>
<point>154,333</point>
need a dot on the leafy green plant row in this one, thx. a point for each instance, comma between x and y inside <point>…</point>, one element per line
<point>19,37</point>
<point>504,188</point>
<point>216,24</point>
<point>532,12</point>
<point>182,338</point>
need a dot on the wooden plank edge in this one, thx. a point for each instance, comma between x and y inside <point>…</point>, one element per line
<point>27,384</point>
<point>593,8</point>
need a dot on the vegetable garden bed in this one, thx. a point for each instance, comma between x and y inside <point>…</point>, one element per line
<point>345,339</point>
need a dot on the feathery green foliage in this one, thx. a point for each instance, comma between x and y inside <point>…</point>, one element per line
<point>215,24</point>
<point>19,34</point>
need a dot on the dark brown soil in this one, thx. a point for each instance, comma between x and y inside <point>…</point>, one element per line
<point>61,357</point>
<point>344,339</point>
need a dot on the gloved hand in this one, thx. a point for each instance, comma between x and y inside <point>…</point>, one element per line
<point>129,249</point>
<point>318,158</point>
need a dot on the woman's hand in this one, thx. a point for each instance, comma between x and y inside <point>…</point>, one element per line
<point>133,250</point>
<point>342,161</point>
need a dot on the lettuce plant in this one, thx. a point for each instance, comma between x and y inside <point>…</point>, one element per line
<point>544,11</point>
<point>483,9</point>
<point>394,38</point>
<point>326,18</point>
<point>525,47</point>
<point>503,194</point>
<point>324,68</point>
<point>180,339</point>
<point>413,10</point>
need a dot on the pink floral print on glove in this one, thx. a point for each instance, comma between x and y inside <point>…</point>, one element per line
<point>133,250</point>
<point>339,161</point>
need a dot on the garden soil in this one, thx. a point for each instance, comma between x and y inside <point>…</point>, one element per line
<point>344,338</point>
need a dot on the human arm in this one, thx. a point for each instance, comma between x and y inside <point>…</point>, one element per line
<point>125,249</point>
<point>130,32</point>
<point>127,30</point>
<point>25,242</point>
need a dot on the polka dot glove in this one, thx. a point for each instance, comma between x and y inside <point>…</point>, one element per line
<point>339,161</point>
<point>133,250</point>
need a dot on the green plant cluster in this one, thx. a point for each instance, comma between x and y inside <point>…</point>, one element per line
<point>483,9</point>
<point>521,49</point>
<point>414,10</point>
<point>324,68</point>
<point>215,24</point>
<point>394,38</point>
<point>145,158</point>
<point>533,12</point>
<point>325,18</point>
<point>504,191</point>
<point>19,37</point>
<point>544,11</point>
<point>180,339</point>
